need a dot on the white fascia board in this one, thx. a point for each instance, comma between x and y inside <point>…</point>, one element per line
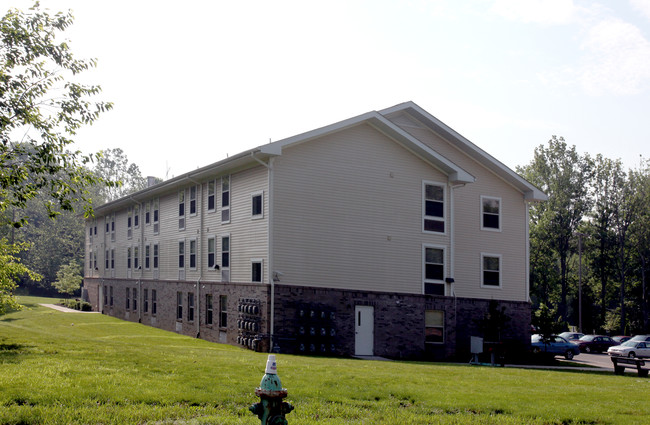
<point>531,193</point>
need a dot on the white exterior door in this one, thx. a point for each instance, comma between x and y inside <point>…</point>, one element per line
<point>364,330</point>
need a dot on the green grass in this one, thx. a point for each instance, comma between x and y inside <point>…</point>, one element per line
<point>66,368</point>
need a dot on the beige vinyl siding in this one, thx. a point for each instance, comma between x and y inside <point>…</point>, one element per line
<point>470,240</point>
<point>348,213</point>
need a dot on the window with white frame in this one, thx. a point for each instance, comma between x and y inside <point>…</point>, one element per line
<point>225,199</point>
<point>190,307</point>
<point>193,192</point>
<point>434,270</point>
<point>208,309</point>
<point>225,258</point>
<point>257,207</point>
<point>179,306</point>
<point>256,270</point>
<point>145,301</point>
<point>212,253</point>
<point>129,223</point>
<point>434,326</point>
<point>193,254</point>
<point>147,213</point>
<point>433,207</point>
<point>212,196</point>
<point>136,216</point>
<point>490,213</point>
<point>181,210</point>
<point>491,270</point>
<point>181,254</point>
<point>156,216</point>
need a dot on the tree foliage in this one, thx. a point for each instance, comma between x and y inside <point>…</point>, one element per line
<point>69,278</point>
<point>11,270</point>
<point>41,109</point>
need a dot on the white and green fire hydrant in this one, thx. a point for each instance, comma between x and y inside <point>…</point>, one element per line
<point>271,409</point>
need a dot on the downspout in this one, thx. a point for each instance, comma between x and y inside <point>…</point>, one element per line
<point>270,273</point>
<point>527,251</point>
<point>199,253</point>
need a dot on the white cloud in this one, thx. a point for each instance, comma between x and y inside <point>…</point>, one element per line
<point>617,59</point>
<point>642,6</point>
<point>546,12</point>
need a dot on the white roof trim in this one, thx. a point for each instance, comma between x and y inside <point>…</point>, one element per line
<point>531,193</point>
<point>455,173</point>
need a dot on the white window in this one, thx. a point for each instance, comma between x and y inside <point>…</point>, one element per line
<point>212,196</point>
<point>434,322</point>
<point>490,213</point>
<point>225,199</point>
<point>490,270</point>
<point>193,200</point>
<point>257,270</point>
<point>181,210</point>
<point>155,256</point>
<point>147,213</point>
<point>136,216</point>
<point>212,253</point>
<point>433,207</point>
<point>129,223</point>
<point>225,258</point>
<point>257,205</point>
<point>193,254</point>
<point>156,212</point>
<point>181,254</point>
<point>147,257</point>
<point>434,270</point>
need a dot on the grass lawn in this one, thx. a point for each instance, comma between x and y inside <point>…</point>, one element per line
<point>67,368</point>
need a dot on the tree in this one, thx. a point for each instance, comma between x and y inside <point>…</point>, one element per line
<point>564,175</point>
<point>68,278</point>
<point>10,271</point>
<point>113,165</point>
<point>41,109</point>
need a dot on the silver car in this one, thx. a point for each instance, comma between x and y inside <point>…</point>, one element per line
<point>630,349</point>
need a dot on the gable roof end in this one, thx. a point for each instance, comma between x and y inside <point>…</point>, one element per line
<point>531,193</point>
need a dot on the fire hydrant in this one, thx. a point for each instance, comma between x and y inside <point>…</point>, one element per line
<point>271,409</point>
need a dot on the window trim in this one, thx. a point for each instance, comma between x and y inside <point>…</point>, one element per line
<point>425,217</point>
<point>259,261</point>
<point>260,194</point>
<point>424,268</point>
<point>499,215</point>
<point>211,267</point>
<point>227,207</point>
<point>500,257</point>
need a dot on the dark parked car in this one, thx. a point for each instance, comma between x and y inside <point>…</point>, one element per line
<point>556,345</point>
<point>595,343</point>
<point>571,336</point>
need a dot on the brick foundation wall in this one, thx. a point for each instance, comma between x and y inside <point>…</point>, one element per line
<point>311,320</point>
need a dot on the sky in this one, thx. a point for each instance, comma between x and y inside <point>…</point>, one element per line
<point>195,81</point>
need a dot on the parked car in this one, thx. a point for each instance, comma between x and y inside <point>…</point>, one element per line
<point>594,343</point>
<point>621,339</point>
<point>556,345</point>
<point>640,338</point>
<point>571,336</point>
<point>630,349</point>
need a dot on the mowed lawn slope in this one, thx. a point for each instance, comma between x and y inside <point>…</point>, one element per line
<point>65,368</point>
